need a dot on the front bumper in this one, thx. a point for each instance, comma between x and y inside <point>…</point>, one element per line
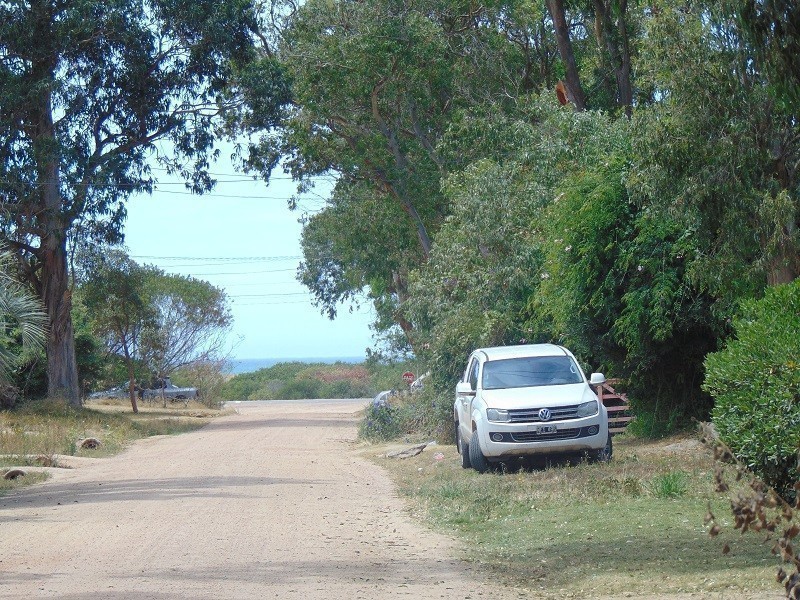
<point>499,440</point>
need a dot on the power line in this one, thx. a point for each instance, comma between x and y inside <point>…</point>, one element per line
<point>239,272</point>
<point>272,303</point>
<point>269,295</point>
<point>243,259</point>
<point>237,285</point>
<point>254,177</point>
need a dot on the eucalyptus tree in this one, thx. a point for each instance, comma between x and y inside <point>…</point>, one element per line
<point>718,152</point>
<point>155,321</point>
<point>373,87</point>
<point>113,295</point>
<point>88,89</point>
<point>190,321</point>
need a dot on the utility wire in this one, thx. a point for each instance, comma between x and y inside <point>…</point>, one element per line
<point>242,259</point>
<point>240,272</point>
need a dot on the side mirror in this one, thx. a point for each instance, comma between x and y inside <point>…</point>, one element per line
<point>463,388</point>
<point>597,379</point>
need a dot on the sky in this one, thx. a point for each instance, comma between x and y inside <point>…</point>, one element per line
<point>243,238</point>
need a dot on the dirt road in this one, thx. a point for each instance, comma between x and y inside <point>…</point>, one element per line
<point>269,503</point>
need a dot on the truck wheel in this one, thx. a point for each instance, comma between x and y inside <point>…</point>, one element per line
<point>604,454</point>
<point>463,449</point>
<point>476,457</point>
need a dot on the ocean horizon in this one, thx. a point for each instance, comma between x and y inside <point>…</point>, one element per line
<point>250,365</point>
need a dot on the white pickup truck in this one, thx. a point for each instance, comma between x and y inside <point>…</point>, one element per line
<point>528,401</point>
<point>168,391</point>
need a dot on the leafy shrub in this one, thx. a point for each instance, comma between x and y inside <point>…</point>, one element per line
<point>208,376</point>
<point>298,389</point>
<point>380,423</point>
<point>295,380</point>
<point>428,414</point>
<point>756,383</point>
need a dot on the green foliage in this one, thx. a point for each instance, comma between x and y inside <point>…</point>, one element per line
<point>545,244</point>
<point>23,327</point>
<point>190,321</point>
<point>673,484</point>
<point>755,380</point>
<point>23,324</point>
<point>208,376</point>
<point>428,414</point>
<point>149,321</point>
<point>387,374</point>
<point>711,155</point>
<point>296,380</point>
<point>380,423</point>
<point>113,79</point>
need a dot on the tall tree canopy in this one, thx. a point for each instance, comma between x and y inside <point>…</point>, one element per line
<point>474,209</point>
<point>88,89</point>
<point>154,321</point>
<point>374,86</point>
<point>191,320</point>
<point>113,294</point>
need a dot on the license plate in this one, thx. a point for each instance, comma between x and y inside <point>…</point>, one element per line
<point>546,429</point>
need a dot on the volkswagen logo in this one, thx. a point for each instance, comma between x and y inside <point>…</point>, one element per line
<point>545,414</point>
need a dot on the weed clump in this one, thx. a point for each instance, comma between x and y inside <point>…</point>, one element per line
<point>380,423</point>
<point>670,485</point>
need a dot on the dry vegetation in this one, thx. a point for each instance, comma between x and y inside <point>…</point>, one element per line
<point>49,434</point>
<point>634,526</point>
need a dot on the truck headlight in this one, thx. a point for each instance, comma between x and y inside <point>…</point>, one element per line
<point>497,415</point>
<point>587,409</point>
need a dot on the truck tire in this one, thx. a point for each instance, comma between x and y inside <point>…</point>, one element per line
<point>605,453</point>
<point>476,457</point>
<point>463,449</point>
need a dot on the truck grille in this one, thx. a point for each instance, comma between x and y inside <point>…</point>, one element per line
<point>532,436</point>
<point>531,415</point>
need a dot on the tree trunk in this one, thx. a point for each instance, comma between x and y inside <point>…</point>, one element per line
<point>574,89</point>
<point>624,74</point>
<point>400,288</point>
<point>62,368</point>
<point>785,267</point>
<point>131,378</point>
<point>617,45</point>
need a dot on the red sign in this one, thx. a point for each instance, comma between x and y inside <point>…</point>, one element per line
<point>408,377</point>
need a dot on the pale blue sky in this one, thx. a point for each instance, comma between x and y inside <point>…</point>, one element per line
<point>243,238</point>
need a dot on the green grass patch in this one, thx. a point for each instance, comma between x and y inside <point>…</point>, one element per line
<point>674,484</point>
<point>632,526</point>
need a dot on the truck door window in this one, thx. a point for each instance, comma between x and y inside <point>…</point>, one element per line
<point>473,374</point>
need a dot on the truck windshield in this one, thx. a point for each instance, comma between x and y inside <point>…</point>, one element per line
<point>530,371</point>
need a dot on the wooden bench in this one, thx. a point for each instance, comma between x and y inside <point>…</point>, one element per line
<point>617,405</point>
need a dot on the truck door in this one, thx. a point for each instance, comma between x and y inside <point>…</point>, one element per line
<point>465,400</point>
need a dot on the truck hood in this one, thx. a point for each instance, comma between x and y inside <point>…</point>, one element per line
<point>543,395</point>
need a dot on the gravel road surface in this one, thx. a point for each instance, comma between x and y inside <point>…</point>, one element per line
<point>271,502</point>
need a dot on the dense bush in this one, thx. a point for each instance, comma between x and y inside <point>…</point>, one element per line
<point>380,423</point>
<point>424,414</point>
<point>296,380</point>
<point>756,383</point>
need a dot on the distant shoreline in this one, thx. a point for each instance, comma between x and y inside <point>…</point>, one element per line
<point>249,365</point>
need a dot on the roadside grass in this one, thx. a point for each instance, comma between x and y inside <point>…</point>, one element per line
<point>632,527</point>
<point>37,433</point>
